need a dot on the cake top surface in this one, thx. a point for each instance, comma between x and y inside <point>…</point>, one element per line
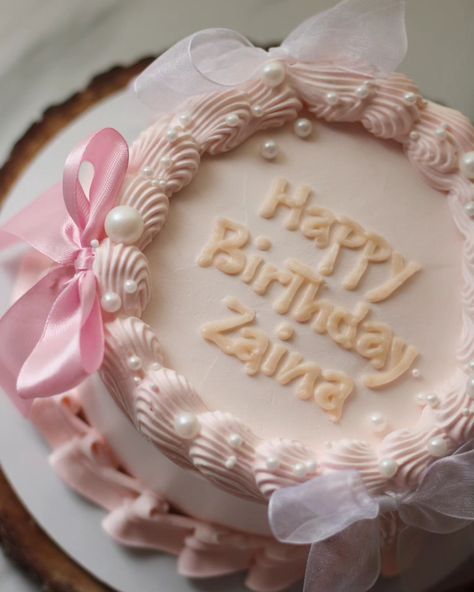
<point>254,243</point>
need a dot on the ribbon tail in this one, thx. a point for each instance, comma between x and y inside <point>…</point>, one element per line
<point>55,364</point>
<point>347,562</point>
<point>21,327</point>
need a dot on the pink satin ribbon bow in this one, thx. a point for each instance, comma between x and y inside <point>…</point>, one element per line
<point>367,36</point>
<point>335,514</point>
<point>52,337</point>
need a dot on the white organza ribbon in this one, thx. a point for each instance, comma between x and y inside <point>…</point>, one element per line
<point>367,36</point>
<point>335,514</point>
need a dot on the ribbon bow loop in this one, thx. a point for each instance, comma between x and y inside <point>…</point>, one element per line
<point>54,331</point>
<point>366,36</point>
<point>335,514</point>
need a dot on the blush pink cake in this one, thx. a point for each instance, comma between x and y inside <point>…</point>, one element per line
<point>268,296</point>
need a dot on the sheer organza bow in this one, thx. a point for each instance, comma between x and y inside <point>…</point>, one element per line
<point>52,337</point>
<point>336,515</point>
<point>367,36</point>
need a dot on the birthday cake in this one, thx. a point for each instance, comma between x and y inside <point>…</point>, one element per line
<point>272,288</point>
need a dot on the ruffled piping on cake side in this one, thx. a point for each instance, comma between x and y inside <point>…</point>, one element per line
<point>140,518</point>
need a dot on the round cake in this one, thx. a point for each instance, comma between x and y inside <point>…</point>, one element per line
<point>266,297</point>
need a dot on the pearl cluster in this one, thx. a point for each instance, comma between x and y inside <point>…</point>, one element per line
<point>273,73</point>
<point>388,467</point>
<point>301,469</point>
<point>269,149</point>
<point>441,132</point>
<point>235,440</point>
<point>303,127</point>
<point>411,98</point>
<point>272,463</point>
<point>147,171</point>
<point>430,399</point>
<point>438,446</point>
<point>378,422</point>
<point>363,91</point>
<point>187,425</point>
<point>124,224</point>
<point>111,302</point>
<point>130,286</point>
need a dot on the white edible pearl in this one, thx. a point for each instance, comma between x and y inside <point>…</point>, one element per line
<point>111,302</point>
<point>466,411</point>
<point>362,91</point>
<point>438,446</point>
<point>231,462</point>
<point>187,425</point>
<point>235,440</point>
<point>137,380</point>
<point>184,119</point>
<point>471,365</point>
<point>269,149</point>
<point>130,286</point>
<point>441,132</point>
<point>272,463</point>
<point>257,110</point>
<point>378,422</point>
<point>470,388</point>
<point>432,400</point>
<point>232,119</point>
<point>95,243</point>
<point>303,127</point>
<point>410,98</point>
<point>166,161</point>
<point>134,363</point>
<point>273,73</point>
<point>420,399</point>
<point>332,98</point>
<point>414,135</point>
<point>469,209</point>
<point>299,470</point>
<point>466,164</point>
<point>388,467</point>
<point>311,466</point>
<point>124,225</point>
<point>416,373</point>
<point>172,134</point>
<point>147,171</point>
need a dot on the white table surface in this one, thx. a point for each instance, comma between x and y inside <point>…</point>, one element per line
<point>51,48</point>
